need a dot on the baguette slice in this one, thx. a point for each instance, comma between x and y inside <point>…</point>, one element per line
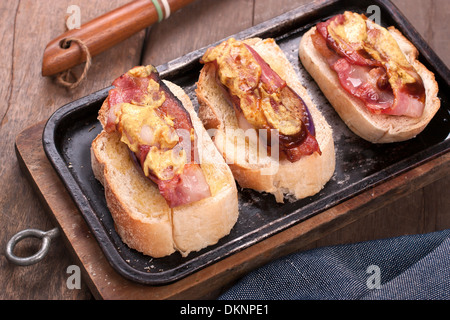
<point>371,127</point>
<point>142,217</point>
<point>260,172</point>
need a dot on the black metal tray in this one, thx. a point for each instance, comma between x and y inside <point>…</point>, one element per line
<point>359,165</point>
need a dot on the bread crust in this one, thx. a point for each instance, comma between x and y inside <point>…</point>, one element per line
<point>142,217</point>
<point>371,127</point>
<point>283,179</point>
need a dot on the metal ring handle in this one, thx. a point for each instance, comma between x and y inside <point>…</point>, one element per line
<point>46,237</point>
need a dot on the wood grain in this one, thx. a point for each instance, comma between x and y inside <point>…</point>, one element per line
<point>102,33</point>
<point>105,283</point>
<point>30,99</point>
<point>198,25</point>
<point>27,26</point>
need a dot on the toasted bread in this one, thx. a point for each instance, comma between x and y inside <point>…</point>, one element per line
<point>375,128</point>
<point>264,173</point>
<point>141,215</point>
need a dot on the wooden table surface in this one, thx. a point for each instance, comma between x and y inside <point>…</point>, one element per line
<point>27,26</point>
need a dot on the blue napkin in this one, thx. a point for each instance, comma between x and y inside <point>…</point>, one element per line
<point>414,267</point>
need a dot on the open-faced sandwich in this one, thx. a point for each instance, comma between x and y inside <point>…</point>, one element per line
<point>371,76</point>
<point>166,186</point>
<point>262,120</point>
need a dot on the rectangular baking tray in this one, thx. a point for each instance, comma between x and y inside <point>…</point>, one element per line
<point>359,165</point>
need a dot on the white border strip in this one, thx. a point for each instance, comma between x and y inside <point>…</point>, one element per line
<point>166,8</point>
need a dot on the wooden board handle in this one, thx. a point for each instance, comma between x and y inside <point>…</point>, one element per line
<point>106,31</point>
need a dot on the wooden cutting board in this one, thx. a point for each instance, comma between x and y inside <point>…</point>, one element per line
<point>106,283</point>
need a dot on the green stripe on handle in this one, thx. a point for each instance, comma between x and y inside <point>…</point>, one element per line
<point>158,10</point>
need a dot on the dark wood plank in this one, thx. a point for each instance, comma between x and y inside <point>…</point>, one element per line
<point>268,9</point>
<point>430,18</point>
<point>8,17</point>
<point>198,25</point>
<point>105,283</point>
<point>31,98</point>
<point>422,211</point>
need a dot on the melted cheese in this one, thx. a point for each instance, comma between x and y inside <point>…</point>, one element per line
<point>143,124</point>
<point>283,118</point>
<point>165,164</point>
<point>237,69</point>
<point>142,71</point>
<point>353,30</point>
<point>240,72</point>
<point>376,42</point>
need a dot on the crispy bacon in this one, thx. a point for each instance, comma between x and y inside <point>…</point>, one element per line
<point>185,188</point>
<point>344,49</point>
<point>270,78</point>
<point>127,89</point>
<point>295,146</point>
<point>188,186</point>
<point>304,143</point>
<point>366,78</point>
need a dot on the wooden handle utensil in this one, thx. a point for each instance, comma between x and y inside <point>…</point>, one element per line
<point>105,31</point>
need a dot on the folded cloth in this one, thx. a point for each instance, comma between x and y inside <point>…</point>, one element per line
<point>413,267</point>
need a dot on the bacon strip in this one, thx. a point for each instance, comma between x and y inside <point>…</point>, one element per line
<point>191,184</point>
<point>304,143</point>
<point>366,78</point>
<point>295,146</point>
<point>270,78</point>
<point>127,89</point>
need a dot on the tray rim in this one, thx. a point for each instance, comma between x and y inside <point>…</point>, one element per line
<point>170,69</point>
